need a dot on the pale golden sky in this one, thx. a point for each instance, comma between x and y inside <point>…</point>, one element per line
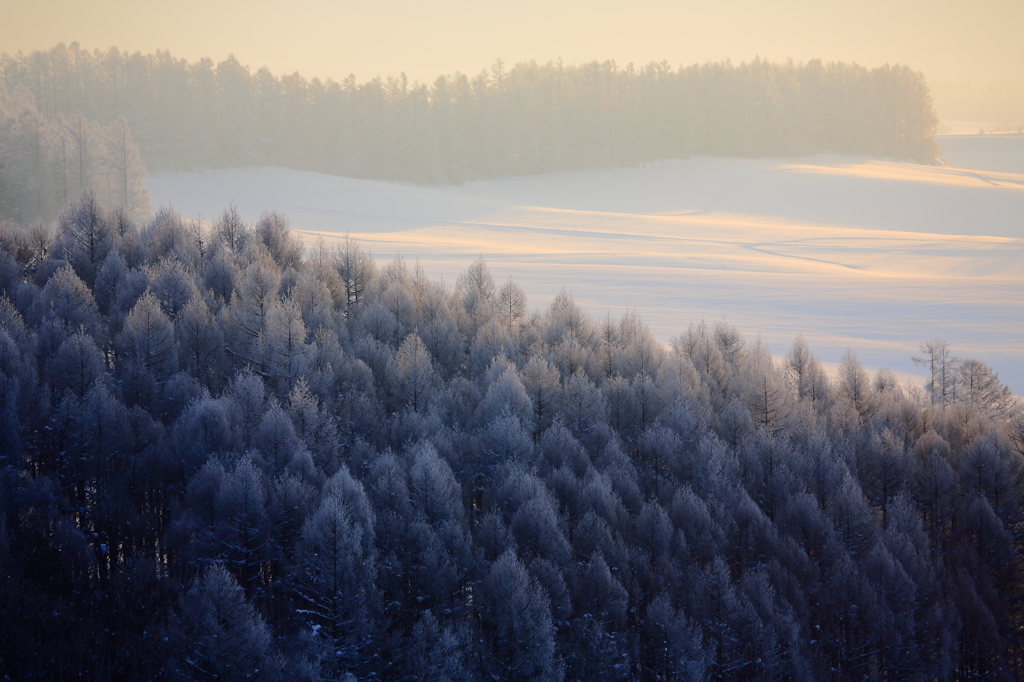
<point>949,41</point>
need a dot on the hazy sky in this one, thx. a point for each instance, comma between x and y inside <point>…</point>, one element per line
<point>951,41</point>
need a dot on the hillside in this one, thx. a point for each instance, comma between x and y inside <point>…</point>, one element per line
<point>852,253</point>
<point>221,458</point>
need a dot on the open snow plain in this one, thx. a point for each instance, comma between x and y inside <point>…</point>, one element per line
<point>871,255</point>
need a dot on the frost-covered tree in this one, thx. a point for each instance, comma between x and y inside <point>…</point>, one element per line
<point>765,392</point>
<point>128,174</point>
<point>432,486</point>
<point>68,301</point>
<point>217,634</point>
<point>854,386</point>
<point>356,270</point>
<point>315,300</point>
<point>231,230</point>
<point>199,341</point>
<point>256,293</point>
<point>477,293</point>
<point>273,232</point>
<point>336,586</point>
<point>806,373</point>
<point>698,344</point>
<point>582,406</point>
<point>172,285</point>
<point>314,425</point>
<point>77,366</point>
<point>440,651</point>
<point>505,393</point>
<point>977,384</point>
<point>241,529</point>
<point>412,375</point>
<point>941,371</point>
<point>85,235</point>
<point>283,343</point>
<point>512,301</point>
<point>517,624</point>
<point>148,337</point>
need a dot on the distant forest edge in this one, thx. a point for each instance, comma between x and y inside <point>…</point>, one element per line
<point>530,118</point>
<point>48,160</point>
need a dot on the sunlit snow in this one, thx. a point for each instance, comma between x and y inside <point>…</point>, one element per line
<point>876,256</point>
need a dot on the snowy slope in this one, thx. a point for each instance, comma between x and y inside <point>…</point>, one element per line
<point>852,253</point>
<point>994,151</point>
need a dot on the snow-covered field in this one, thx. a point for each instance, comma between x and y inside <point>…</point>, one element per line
<point>852,253</point>
<point>995,152</point>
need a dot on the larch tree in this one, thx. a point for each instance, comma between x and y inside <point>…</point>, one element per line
<point>314,425</point>
<point>316,303</point>
<point>85,235</point>
<point>240,528</point>
<point>251,302</point>
<point>941,365</point>
<point>477,292</point>
<point>505,394</point>
<point>640,353</point>
<point>854,386</point>
<point>412,374</point>
<point>517,625</point>
<point>282,244</point>
<point>543,387</point>
<point>128,174</point>
<point>356,270</point>
<point>336,585</point>
<point>148,337</point>
<point>173,285</point>
<point>512,300</point>
<point>218,634</point>
<point>231,230</point>
<point>64,305</point>
<point>673,646</point>
<point>764,391</point>
<point>77,366</point>
<point>805,372</point>
<point>199,341</point>
<point>977,384</point>
<point>283,343</point>
<point>582,406</point>
<point>698,344</point>
<point>432,486</point>
<point>86,154</point>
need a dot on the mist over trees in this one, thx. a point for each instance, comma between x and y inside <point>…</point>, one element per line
<point>507,120</point>
<point>224,458</point>
<point>48,159</point>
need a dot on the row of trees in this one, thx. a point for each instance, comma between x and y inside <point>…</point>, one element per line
<point>222,458</point>
<point>529,118</point>
<point>48,159</point>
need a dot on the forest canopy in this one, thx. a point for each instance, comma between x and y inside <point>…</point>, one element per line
<point>222,456</point>
<point>523,119</point>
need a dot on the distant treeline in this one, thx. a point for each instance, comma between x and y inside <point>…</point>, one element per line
<point>222,459</point>
<point>530,118</point>
<point>46,160</point>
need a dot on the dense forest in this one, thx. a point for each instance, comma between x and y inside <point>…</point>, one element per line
<point>530,118</point>
<point>224,458</point>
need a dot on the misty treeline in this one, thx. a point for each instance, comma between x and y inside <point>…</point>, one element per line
<point>220,455</point>
<point>530,118</point>
<point>48,159</point>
